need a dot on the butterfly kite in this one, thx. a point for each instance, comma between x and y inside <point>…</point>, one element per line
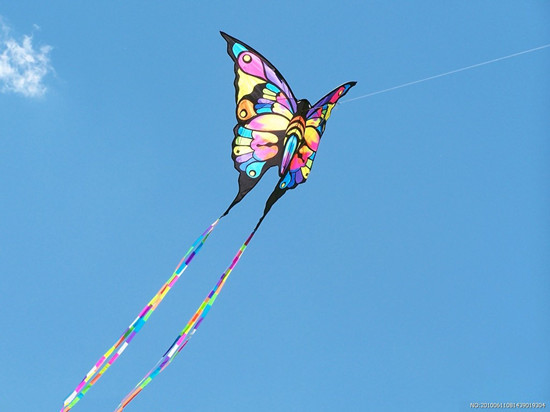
<point>274,129</point>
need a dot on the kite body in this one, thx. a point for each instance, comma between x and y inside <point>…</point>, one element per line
<point>273,127</point>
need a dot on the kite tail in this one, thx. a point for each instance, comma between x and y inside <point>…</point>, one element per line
<point>122,343</point>
<point>237,199</point>
<point>189,329</point>
<point>275,195</point>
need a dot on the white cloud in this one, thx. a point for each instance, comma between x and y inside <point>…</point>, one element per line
<point>22,68</point>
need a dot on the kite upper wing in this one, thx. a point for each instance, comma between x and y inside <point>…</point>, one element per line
<point>265,106</point>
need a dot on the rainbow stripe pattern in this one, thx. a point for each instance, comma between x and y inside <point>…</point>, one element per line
<point>188,331</point>
<point>101,366</point>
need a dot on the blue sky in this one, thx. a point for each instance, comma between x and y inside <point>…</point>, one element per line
<point>410,273</point>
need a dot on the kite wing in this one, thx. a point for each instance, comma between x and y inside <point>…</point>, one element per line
<point>265,106</point>
<point>299,166</point>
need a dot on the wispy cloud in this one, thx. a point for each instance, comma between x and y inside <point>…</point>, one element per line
<point>22,67</point>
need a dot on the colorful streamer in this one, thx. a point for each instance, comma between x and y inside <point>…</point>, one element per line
<point>122,343</point>
<point>188,331</point>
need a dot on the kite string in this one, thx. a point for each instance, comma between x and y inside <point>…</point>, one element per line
<point>188,331</point>
<point>122,343</point>
<point>447,73</point>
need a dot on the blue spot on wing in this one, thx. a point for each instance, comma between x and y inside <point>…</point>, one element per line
<point>254,169</point>
<point>244,165</point>
<point>238,49</point>
<point>288,181</point>
<point>272,87</point>
<point>244,132</point>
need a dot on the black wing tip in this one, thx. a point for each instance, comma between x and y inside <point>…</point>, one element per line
<point>229,39</point>
<point>348,86</point>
